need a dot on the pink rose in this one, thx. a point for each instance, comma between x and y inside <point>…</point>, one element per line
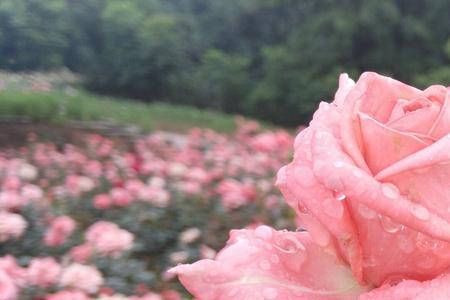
<point>68,295</point>
<point>43,272</point>
<point>108,239</point>
<point>59,230</point>
<point>81,253</point>
<point>8,290</point>
<point>11,226</point>
<point>370,184</point>
<point>81,277</point>
<point>370,169</point>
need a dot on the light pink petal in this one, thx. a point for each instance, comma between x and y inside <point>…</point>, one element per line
<point>381,94</point>
<point>345,86</point>
<point>441,127</point>
<point>436,289</point>
<point>384,145</point>
<point>379,211</point>
<point>363,188</point>
<point>267,264</point>
<point>419,120</point>
<point>307,196</point>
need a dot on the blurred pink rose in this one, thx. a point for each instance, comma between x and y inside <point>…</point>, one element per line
<point>8,290</point>
<point>121,197</point>
<point>102,201</point>
<point>15,272</point>
<point>68,295</point>
<point>59,230</point>
<point>81,253</point>
<point>43,272</point>
<point>81,277</point>
<point>235,194</point>
<point>11,226</point>
<point>108,239</point>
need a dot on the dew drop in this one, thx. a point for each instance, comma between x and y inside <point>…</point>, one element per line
<point>405,244</point>
<point>369,262</point>
<point>366,212</point>
<point>420,212</point>
<point>263,232</point>
<point>339,196</point>
<point>338,164</point>
<point>333,208</point>
<point>269,293</point>
<point>389,225</point>
<point>264,265</point>
<point>425,243</point>
<point>288,244</point>
<point>275,259</point>
<point>357,173</point>
<point>394,280</point>
<point>390,190</point>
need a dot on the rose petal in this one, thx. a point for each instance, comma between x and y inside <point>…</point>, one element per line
<point>384,145</point>
<point>268,264</point>
<point>381,94</point>
<point>441,127</point>
<point>363,188</point>
<point>436,289</point>
<point>383,199</point>
<point>419,120</point>
<point>306,195</point>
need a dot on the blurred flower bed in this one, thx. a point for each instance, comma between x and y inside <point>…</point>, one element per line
<point>105,219</point>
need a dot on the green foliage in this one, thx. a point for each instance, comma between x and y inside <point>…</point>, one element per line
<point>272,59</point>
<point>59,107</point>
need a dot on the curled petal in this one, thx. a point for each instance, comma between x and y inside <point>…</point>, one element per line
<point>268,264</point>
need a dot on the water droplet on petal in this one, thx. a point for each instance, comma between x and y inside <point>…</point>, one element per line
<point>288,244</point>
<point>405,243</point>
<point>366,212</point>
<point>420,212</point>
<point>357,173</point>
<point>425,242</point>
<point>369,262</point>
<point>275,259</point>
<point>339,196</point>
<point>390,190</point>
<point>389,225</point>
<point>269,293</point>
<point>264,265</point>
<point>333,208</point>
<point>338,164</point>
<point>263,232</point>
<point>394,280</point>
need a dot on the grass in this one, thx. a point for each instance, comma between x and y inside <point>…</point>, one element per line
<point>58,107</point>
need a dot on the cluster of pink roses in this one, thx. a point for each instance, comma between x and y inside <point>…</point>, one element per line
<point>370,183</point>
<point>69,214</point>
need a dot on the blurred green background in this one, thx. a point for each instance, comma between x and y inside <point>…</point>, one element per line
<point>268,59</point>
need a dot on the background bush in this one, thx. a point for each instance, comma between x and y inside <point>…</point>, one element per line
<point>271,59</point>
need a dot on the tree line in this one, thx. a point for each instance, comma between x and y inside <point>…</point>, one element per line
<point>270,59</point>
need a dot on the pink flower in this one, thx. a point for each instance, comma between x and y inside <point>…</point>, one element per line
<point>68,295</point>
<point>121,197</point>
<point>235,194</point>
<point>81,253</point>
<point>81,277</point>
<point>12,200</point>
<point>43,272</point>
<point>369,182</point>
<point>11,226</point>
<point>102,201</point>
<point>8,290</point>
<point>15,272</point>
<point>108,239</point>
<point>59,230</point>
